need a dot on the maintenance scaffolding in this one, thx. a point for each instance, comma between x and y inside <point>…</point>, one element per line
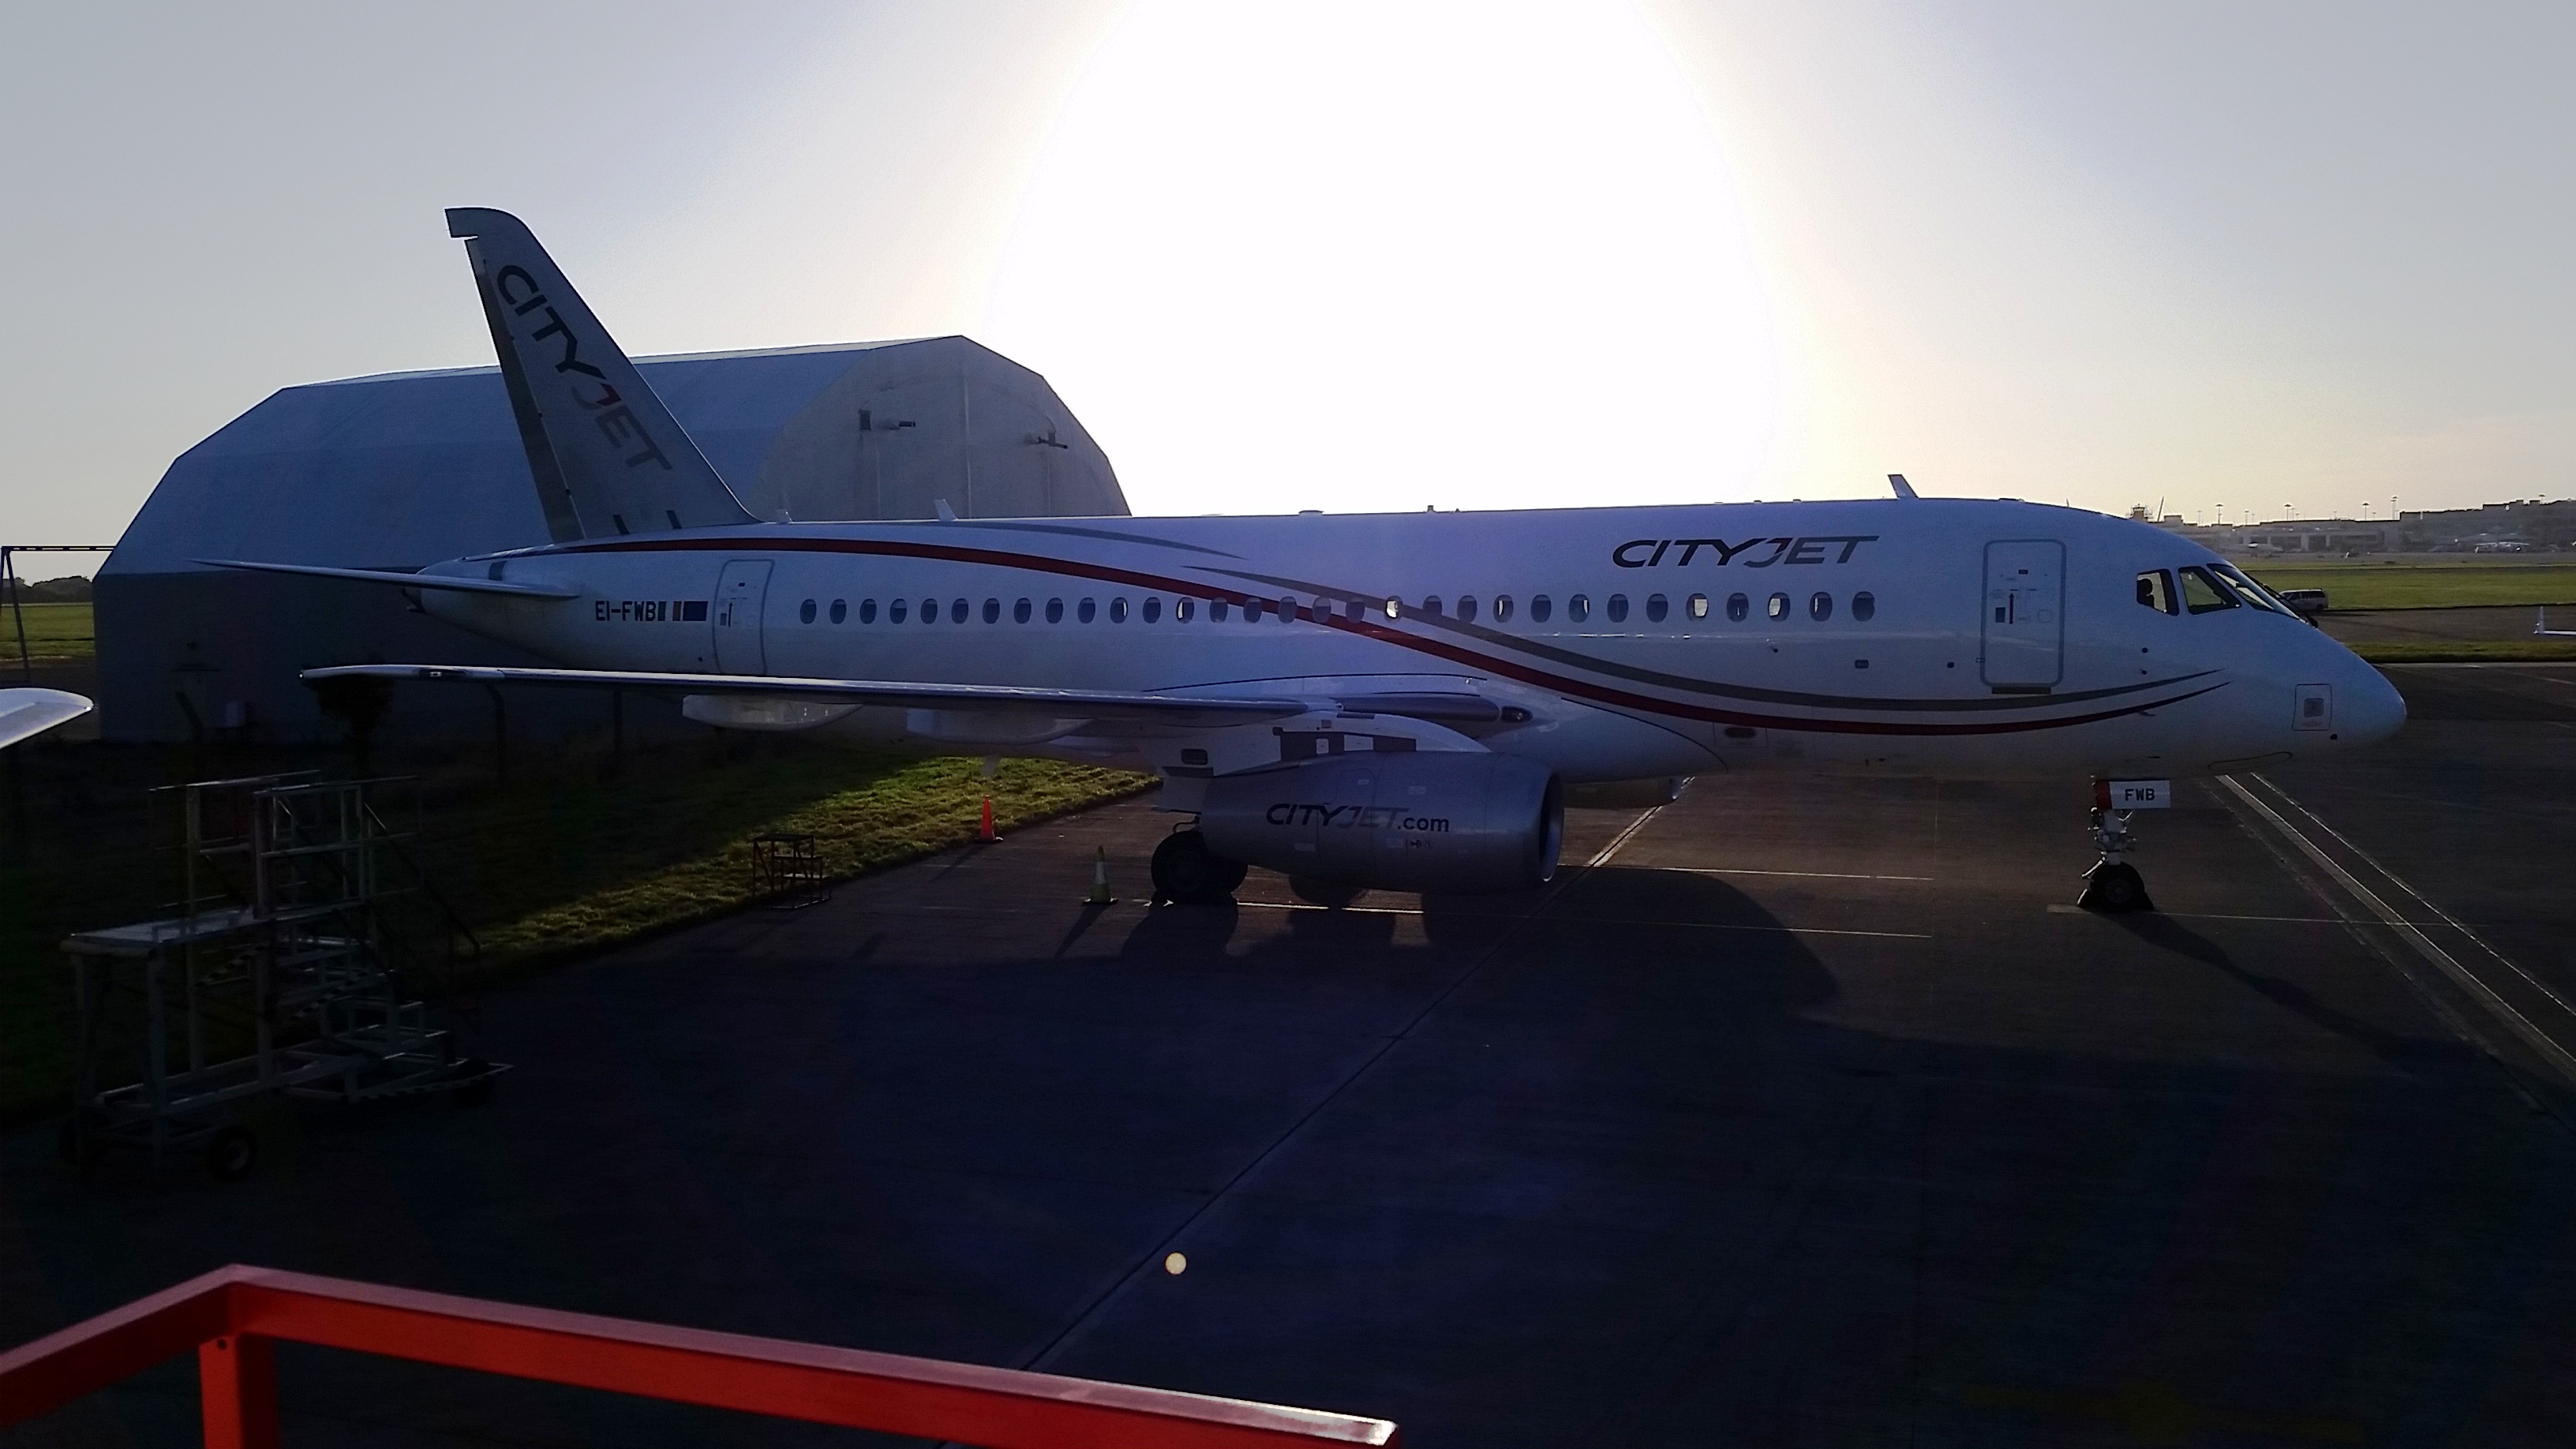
<point>279,954</point>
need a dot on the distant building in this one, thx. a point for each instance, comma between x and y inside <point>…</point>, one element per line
<point>2525,524</point>
<point>407,469</point>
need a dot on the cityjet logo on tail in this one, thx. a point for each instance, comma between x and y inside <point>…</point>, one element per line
<point>617,423</point>
<point>1647,553</point>
<point>1354,817</point>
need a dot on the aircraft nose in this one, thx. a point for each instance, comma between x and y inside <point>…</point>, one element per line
<point>2370,707</point>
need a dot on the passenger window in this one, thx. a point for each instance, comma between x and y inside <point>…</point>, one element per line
<point>1656,608</point>
<point>868,611</point>
<point>1216,610</point>
<point>1502,608</point>
<point>1737,607</point>
<point>1354,610</point>
<point>2201,593</point>
<point>1395,608</point>
<point>992,611</point>
<point>1118,610</point>
<point>1699,606</point>
<point>2156,591</point>
<point>1618,608</point>
<point>1864,606</point>
<point>1431,607</point>
<point>1020,612</point>
<point>805,612</point>
<point>1540,608</point>
<point>1182,609</point>
<point>1578,608</point>
<point>930,611</point>
<point>1821,607</point>
<point>895,611</point>
<point>1055,611</point>
<point>957,612</point>
<point>840,610</point>
<point>1153,610</point>
<point>1466,608</point>
<point>1778,607</point>
<point>1252,611</point>
<point>1288,610</point>
<point>1086,611</point>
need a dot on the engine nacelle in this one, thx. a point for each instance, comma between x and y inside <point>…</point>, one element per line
<point>1417,821</point>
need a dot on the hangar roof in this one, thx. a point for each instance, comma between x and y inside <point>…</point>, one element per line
<point>403,469</point>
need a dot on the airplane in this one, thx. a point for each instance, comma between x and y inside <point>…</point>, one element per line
<point>27,713</point>
<point>1396,701</point>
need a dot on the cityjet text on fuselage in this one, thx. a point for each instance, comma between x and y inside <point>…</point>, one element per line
<point>1647,553</point>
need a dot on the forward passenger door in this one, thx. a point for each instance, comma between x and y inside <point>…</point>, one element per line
<point>2025,613</point>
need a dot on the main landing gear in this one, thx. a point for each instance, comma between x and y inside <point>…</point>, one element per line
<point>1187,873</point>
<point>2112,885</point>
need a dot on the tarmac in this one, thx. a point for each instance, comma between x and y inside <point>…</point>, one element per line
<point>1800,1111</point>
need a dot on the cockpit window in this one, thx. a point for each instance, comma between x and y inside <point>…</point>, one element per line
<point>2203,594</point>
<point>2156,591</point>
<point>2250,591</point>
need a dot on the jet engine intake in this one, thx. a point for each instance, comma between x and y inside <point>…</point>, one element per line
<point>1426,821</point>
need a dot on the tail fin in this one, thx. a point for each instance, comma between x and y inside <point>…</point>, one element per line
<point>608,457</point>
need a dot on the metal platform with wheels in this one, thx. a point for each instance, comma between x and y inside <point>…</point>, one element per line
<point>274,979</point>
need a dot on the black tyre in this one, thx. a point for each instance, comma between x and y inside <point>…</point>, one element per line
<point>2115,889</point>
<point>232,1153</point>
<point>1187,873</point>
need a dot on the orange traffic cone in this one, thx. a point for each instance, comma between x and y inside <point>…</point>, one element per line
<point>987,832</point>
<point>1100,895</point>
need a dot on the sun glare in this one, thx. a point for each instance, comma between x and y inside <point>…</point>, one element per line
<point>1377,256</point>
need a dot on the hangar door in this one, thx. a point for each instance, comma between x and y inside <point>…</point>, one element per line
<point>2025,624</point>
<point>737,617</point>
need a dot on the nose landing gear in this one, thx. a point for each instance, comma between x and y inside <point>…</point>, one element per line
<point>2112,885</point>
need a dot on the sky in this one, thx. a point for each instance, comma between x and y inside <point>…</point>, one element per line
<point>2260,258</point>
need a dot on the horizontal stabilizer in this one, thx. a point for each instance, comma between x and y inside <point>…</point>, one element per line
<point>25,713</point>
<point>609,458</point>
<point>408,581</point>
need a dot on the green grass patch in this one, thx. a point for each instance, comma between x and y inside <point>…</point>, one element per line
<point>54,631</point>
<point>907,812</point>
<point>2428,585</point>
<point>2468,651</point>
<point>568,857</point>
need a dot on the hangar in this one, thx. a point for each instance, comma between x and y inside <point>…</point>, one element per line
<point>405,469</point>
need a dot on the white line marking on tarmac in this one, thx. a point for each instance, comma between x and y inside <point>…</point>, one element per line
<point>1601,921</point>
<point>1791,874</point>
<point>2502,1010</point>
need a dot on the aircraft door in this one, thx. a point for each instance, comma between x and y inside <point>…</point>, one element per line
<point>2025,614</point>
<point>739,595</point>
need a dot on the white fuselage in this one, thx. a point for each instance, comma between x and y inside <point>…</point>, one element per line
<point>1931,636</point>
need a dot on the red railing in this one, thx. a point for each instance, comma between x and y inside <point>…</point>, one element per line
<point>234,1316</point>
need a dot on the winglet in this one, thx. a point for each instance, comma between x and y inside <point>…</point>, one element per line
<point>946,513</point>
<point>1897,482</point>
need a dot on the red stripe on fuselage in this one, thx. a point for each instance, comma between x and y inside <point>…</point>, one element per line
<point>1526,674</point>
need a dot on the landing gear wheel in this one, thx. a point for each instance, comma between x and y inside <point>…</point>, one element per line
<point>231,1154</point>
<point>1187,873</point>
<point>2113,887</point>
<point>1332,894</point>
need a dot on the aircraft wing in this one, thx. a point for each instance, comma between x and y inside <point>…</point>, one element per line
<point>26,713</point>
<point>1092,704</point>
<point>1182,710</point>
<point>408,581</point>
